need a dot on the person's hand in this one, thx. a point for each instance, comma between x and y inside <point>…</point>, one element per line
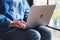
<point>21,25</point>
<point>18,24</point>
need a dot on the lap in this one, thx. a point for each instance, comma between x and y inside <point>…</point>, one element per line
<point>21,34</point>
<point>17,35</point>
<point>45,32</point>
<point>43,29</point>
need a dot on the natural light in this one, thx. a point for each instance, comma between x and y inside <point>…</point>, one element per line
<point>55,20</point>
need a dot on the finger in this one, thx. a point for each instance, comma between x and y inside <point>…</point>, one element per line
<point>16,25</point>
<point>20,25</point>
<point>23,22</point>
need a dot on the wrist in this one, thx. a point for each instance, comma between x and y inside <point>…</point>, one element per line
<point>11,23</point>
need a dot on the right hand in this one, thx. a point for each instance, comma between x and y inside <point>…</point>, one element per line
<point>13,24</point>
<point>18,24</point>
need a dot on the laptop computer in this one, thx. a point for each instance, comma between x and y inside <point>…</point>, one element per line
<point>40,15</point>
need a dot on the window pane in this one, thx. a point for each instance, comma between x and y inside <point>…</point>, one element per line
<point>40,2</point>
<point>55,20</point>
<point>56,14</point>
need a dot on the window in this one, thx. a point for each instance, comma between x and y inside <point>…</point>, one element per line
<point>40,2</point>
<point>56,14</point>
<point>55,20</point>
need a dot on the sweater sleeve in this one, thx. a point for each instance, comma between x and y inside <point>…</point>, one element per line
<point>26,10</point>
<point>4,22</point>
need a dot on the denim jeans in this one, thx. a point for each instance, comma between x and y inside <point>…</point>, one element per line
<point>45,32</point>
<point>37,33</point>
<point>20,34</point>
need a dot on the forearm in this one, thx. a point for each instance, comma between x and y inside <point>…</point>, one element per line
<point>26,10</point>
<point>3,21</point>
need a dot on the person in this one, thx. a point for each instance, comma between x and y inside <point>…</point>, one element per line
<point>13,20</point>
<point>12,26</point>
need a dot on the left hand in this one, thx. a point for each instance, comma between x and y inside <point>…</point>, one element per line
<point>22,25</point>
<point>18,24</point>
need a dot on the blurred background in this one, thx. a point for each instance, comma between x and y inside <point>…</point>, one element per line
<point>55,19</point>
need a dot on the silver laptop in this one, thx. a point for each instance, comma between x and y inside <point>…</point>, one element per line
<point>40,15</point>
